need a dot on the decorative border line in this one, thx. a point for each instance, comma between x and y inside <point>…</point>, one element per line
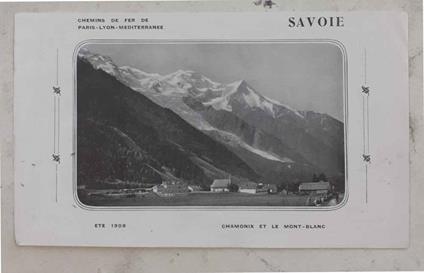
<point>334,42</point>
<point>56,125</point>
<point>366,156</point>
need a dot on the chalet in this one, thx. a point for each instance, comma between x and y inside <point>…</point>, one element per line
<point>171,185</point>
<point>170,188</point>
<point>220,185</point>
<point>320,187</point>
<point>248,187</point>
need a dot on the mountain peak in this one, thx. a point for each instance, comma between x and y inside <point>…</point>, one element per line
<point>237,88</point>
<point>238,85</point>
<point>181,72</point>
<point>242,83</point>
<point>185,74</point>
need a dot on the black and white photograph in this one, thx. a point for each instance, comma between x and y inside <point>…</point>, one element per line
<point>210,124</point>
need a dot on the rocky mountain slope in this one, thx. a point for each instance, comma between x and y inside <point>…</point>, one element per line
<point>273,139</point>
<point>123,135</point>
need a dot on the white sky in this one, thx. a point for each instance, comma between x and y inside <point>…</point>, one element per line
<point>306,76</point>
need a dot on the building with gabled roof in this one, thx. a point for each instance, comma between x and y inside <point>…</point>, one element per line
<point>220,185</point>
<point>248,187</point>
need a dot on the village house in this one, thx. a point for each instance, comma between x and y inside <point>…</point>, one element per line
<point>220,185</point>
<point>320,187</point>
<point>266,188</point>
<point>248,187</point>
<point>170,188</point>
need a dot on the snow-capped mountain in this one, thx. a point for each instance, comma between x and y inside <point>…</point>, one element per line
<point>240,92</point>
<point>254,126</point>
<point>185,82</point>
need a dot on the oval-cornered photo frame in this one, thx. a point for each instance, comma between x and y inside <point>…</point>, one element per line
<point>332,42</point>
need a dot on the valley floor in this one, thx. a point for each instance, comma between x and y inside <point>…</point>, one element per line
<point>199,199</point>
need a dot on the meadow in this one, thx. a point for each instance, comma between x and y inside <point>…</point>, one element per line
<point>198,199</point>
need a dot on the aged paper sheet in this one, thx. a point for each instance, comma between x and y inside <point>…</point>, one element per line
<point>398,241</point>
<point>135,117</point>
